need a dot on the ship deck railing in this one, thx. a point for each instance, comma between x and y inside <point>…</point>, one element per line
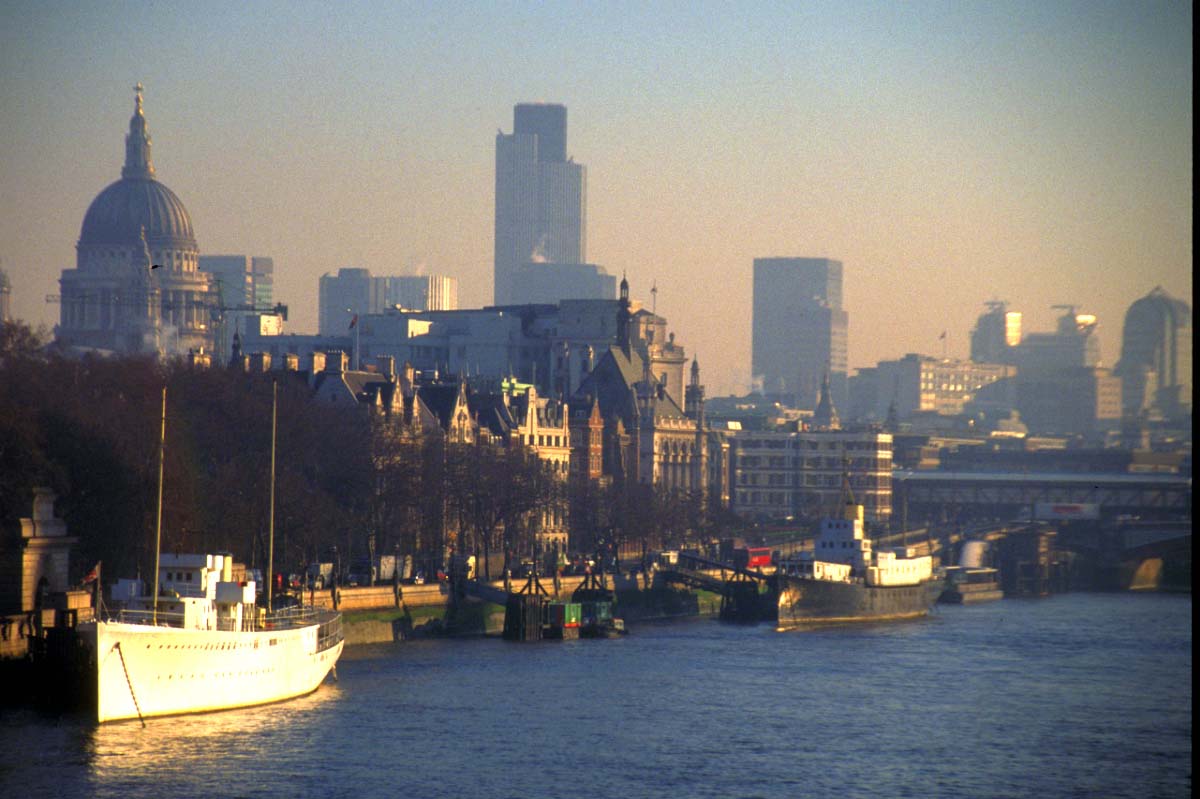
<point>287,619</point>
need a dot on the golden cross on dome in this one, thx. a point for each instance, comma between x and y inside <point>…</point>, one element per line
<point>138,89</point>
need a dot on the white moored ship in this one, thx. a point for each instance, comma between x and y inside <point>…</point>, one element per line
<point>207,647</point>
<point>200,642</point>
<point>843,579</point>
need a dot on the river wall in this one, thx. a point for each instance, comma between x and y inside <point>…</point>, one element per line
<point>373,615</point>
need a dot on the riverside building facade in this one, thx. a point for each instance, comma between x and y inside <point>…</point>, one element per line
<point>798,474</point>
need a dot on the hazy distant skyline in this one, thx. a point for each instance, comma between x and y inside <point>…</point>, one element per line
<point>945,153</point>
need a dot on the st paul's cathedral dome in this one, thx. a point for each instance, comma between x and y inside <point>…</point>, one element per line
<point>136,286</point>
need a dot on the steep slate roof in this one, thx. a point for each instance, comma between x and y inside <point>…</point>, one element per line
<point>610,383</point>
<point>616,381</point>
<point>491,412</point>
<point>441,400</point>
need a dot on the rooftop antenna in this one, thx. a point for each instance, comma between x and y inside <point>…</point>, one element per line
<point>654,298</point>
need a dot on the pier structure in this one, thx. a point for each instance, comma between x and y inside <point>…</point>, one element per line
<point>746,595</point>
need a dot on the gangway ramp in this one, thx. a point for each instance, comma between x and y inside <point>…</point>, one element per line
<point>488,593</point>
<point>742,591</point>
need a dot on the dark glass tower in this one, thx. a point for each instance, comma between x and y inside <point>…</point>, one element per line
<point>799,329</point>
<point>546,121</point>
<point>541,198</point>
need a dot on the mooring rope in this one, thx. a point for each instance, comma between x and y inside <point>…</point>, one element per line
<point>129,682</point>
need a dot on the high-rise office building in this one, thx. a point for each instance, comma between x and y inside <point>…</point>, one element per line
<point>242,279</point>
<point>415,293</point>
<point>553,283</point>
<point>1073,344</point>
<point>355,291</point>
<point>996,333</point>
<point>341,297</point>
<point>245,286</point>
<point>541,198</point>
<point>1156,356</point>
<point>262,280</point>
<point>799,329</point>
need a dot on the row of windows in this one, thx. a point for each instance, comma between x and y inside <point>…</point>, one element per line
<point>220,674</point>
<point>221,647</point>
<point>812,444</point>
<point>833,480</point>
<point>546,441</point>
<point>875,505</point>
<point>860,464</point>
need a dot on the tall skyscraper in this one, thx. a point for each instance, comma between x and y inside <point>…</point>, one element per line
<point>1156,356</point>
<point>341,297</point>
<point>541,198</point>
<point>244,284</point>
<point>799,329</point>
<point>996,333</point>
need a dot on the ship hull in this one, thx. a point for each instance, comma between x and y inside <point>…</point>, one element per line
<point>144,670</point>
<point>807,601</point>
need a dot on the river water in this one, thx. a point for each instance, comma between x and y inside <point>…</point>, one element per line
<point>1078,695</point>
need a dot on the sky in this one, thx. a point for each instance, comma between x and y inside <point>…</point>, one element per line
<point>947,153</point>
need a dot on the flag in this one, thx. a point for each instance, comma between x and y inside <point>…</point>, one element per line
<point>91,576</point>
<point>353,322</point>
<point>943,336</point>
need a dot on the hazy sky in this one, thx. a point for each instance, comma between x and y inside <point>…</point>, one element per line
<point>946,153</point>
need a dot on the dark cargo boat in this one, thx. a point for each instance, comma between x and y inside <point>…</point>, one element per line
<point>843,580</point>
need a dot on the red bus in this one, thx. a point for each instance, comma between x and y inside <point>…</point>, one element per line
<point>752,557</point>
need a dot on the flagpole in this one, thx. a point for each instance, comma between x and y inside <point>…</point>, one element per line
<point>271,526</point>
<point>162,438</point>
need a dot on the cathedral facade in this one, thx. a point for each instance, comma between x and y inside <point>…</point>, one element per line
<point>136,287</point>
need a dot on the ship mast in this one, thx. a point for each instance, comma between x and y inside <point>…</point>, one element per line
<point>271,512</point>
<point>162,443</point>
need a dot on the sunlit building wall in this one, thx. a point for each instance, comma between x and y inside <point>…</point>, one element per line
<point>415,293</point>
<point>778,474</point>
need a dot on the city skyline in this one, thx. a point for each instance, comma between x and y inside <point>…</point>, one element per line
<point>946,155</point>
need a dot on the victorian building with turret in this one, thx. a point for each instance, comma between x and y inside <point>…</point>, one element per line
<point>633,392</point>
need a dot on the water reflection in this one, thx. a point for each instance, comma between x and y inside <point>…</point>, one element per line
<point>202,753</point>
